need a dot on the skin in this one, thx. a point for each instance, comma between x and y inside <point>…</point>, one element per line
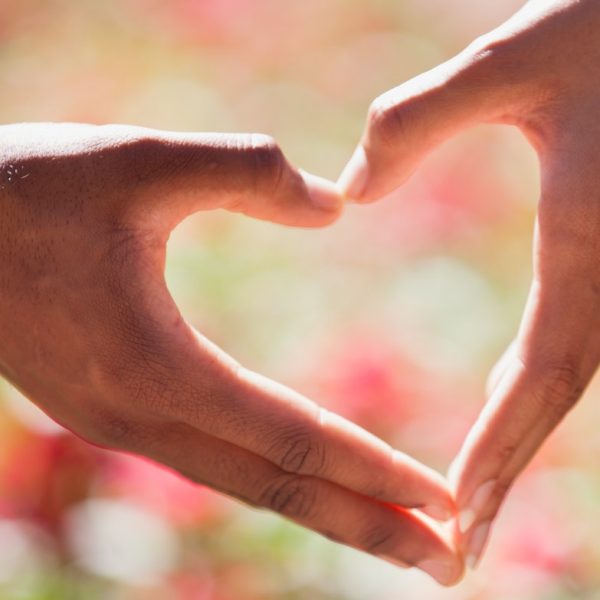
<point>540,72</point>
<point>91,334</point>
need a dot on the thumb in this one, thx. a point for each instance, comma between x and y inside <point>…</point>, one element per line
<point>177,174</point>
<point>407,122</point>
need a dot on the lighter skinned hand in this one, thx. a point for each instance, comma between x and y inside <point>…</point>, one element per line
<point>540,71</point>
<point>91,334</point>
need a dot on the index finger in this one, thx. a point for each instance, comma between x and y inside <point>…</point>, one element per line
<point>554,357</point>
<point>407,122</point>
<point>181,376</point>
<point>389,532</point>
<point>300,437</point>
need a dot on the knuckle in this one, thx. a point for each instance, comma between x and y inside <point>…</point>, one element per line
<point>143,158</point>
<point>506,451</point>
<point>268,161</point>
<point>388,120</point>
<point>489,60</point>
<point>261,142</point>
<point>486,46</point>
<point>298,451</point>
<point>290,495</point>
<point>377,539</point>
<point>560,386</point>
<point>490,53</point>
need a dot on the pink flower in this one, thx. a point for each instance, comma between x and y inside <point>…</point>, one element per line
<point>162,490</point>
<point>45,475</point>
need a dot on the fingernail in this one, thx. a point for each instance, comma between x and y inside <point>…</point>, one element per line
<point>442,572</point>
<point>466,518</point>
<point>477,544</point>
<point>323,194</point>
<point>440,513</point>
<point>353,180</point>
<point>479,499</point>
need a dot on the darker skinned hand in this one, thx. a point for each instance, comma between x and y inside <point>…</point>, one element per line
<point>91,334</point>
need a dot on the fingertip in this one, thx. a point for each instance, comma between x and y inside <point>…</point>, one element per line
<point>446,573</point>
<point>441,558</point>
<point>354,178</point>
<point>425,486</point>
<point>442,497</point>
<point>441,505</point>
<point>324,194</point>
<point>438,512</point>
<point>459,572</point>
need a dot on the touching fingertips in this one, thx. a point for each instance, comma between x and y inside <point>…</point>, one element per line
<point>440,513</point>
<point>323,194</point>
<point>444,572</point>
<point>353,180</point>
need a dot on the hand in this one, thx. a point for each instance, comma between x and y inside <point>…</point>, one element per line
<point>91,334</point>
<point>539,71</point>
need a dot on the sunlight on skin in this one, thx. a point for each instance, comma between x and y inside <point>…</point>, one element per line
<point>538,72</point>
<point>101,346</point>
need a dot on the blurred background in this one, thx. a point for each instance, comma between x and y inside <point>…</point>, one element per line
<point>392,317</point>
